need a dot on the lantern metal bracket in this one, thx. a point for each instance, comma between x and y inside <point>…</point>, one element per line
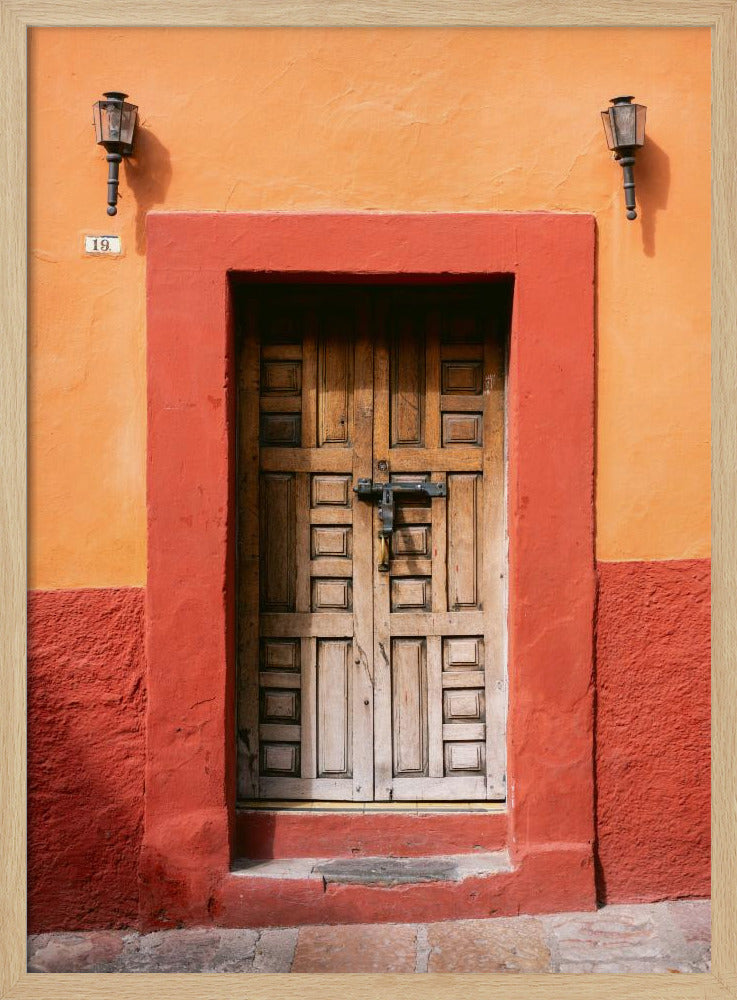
<point>627,164</point>
<point>114,160</point>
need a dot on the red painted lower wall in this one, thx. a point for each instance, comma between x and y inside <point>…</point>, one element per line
<point>86,749</point>
<point>653,731</point>
<point>86,679</point>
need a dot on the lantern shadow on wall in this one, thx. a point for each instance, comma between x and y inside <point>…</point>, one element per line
<point>653,185</point>
<point>147,175</point>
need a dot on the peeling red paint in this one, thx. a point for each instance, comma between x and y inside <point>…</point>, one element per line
<point>653,730</point>
<point>86,749</point>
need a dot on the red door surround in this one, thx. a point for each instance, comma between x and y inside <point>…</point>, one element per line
<point>190,823</point>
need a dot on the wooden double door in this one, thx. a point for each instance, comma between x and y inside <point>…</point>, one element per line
<point>358,682</point>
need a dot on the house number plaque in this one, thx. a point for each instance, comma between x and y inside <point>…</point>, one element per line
<point>102,244</point>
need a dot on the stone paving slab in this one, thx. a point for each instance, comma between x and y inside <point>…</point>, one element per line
<point>515,944</point>
<point>673,936</point>
<point>275,949</point>
<point>357,948</point>
<point>628,938</point>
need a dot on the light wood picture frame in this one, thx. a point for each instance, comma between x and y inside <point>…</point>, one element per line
<point>16,17</point>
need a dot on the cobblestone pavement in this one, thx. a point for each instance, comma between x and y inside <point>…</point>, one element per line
<point>657,937</point>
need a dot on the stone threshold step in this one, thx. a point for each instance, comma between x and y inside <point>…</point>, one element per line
<point>380,870</point>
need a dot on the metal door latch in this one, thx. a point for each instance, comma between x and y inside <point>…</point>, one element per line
<point>384,492</point>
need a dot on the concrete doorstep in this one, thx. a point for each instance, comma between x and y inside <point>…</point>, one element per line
<point>673,936</point>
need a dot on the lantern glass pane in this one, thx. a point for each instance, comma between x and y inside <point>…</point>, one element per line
<point>607,128</point>
<point>97,120</point>
<point>112,120</point>
<point>625,133</point>
<point>128,123</point>
<point>641,112</point>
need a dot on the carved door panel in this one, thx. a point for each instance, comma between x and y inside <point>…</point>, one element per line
<point>357,683</point>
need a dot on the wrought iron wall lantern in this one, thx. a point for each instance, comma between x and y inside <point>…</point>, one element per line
<point>115,129</point>
<point>624,125</point>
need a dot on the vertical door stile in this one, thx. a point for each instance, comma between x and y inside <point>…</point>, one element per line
<point>494,563</point>
<point>383,742</point>
<point>302,606</point>
<point>302,539</point>
<point>248,554</point>
<point>308,644</point>
<point>308,658</point>
<point>309,380</point>
<point>363,601</point>
<point>437,551</point>
<point>432,379</point>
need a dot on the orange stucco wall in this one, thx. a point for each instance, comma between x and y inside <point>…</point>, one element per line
<point>386,120</point>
